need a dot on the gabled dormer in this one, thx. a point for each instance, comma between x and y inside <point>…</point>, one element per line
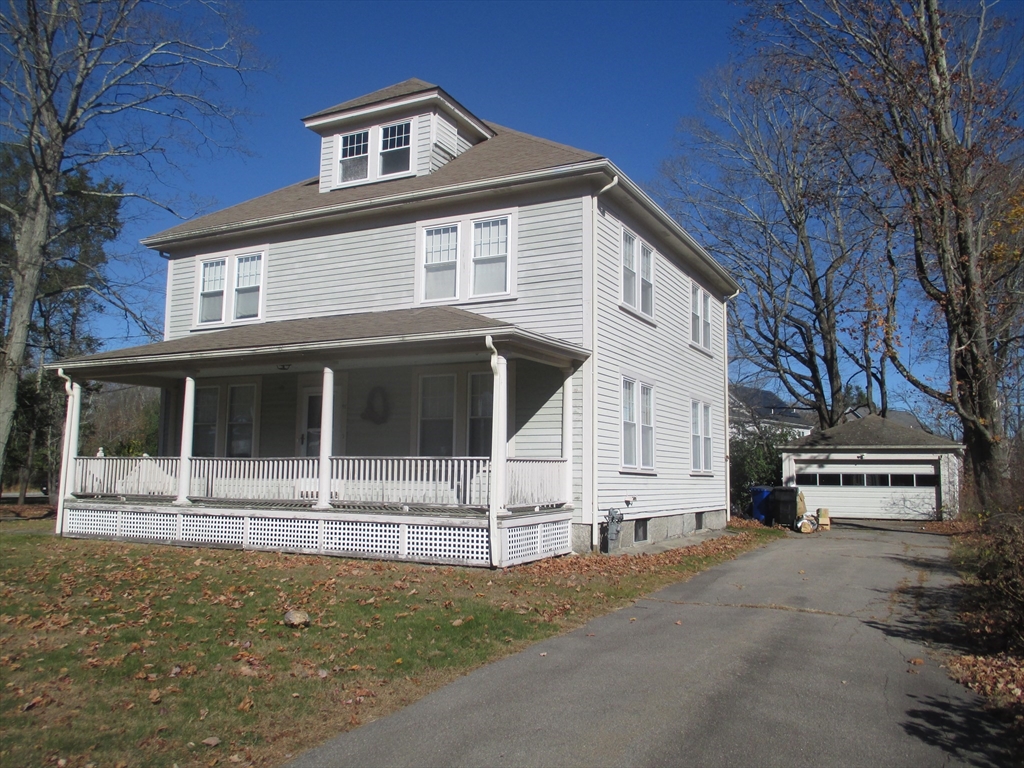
<point>408,129</point>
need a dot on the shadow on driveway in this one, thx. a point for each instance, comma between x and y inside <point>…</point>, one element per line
<point>962,731</point>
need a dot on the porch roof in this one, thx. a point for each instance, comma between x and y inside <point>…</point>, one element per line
<point>398,333</point>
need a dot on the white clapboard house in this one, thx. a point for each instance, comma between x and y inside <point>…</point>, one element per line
<point>457,343</point>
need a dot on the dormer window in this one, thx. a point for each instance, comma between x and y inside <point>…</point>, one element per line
<point>394,148</point>
<point>355,152</point>
<point>375,153</point>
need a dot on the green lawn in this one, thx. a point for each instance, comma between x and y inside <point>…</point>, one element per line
<point>131,654</point>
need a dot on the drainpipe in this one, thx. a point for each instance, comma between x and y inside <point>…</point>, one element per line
<point>725,375</point>
<point>499,446</point>
<point>69,450</point>
<point>595,528</point>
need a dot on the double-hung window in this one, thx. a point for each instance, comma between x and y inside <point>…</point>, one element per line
<point>467,258</point>
<point>394,148</point>
<point>204,421</point>
<point>437,415</point>
<point>481,413</point>
<point>490,256</point>
<point>637,425</point>
<point>441,262</point>
<point>700,316</point>
<point>637,274</point>
<point>230,287</point>
<point>241,420</point>
<point>355,155</point>
<point>700,432</point>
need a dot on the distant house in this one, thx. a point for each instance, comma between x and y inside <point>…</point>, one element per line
<point>875,468</point>
<point>751,407</point>
<point>456,343</point>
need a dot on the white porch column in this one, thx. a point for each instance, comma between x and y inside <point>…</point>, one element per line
<point>499,448</point>
<point>72,420</point>
<point>188,414</point>
<point>567,433</point>
<point>326,440</point>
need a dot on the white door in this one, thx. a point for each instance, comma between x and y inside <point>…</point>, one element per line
<point>308,420</point>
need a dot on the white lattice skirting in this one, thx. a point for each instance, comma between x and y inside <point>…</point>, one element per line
<point>456,542</point>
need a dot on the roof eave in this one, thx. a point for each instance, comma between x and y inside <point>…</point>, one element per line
<point>867,448</point>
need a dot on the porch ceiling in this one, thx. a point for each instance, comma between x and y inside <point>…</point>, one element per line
<point>394,336</point>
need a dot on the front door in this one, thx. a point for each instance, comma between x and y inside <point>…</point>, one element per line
<point>309,437</point>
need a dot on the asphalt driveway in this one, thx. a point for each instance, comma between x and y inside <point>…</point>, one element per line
<point>819,650</point>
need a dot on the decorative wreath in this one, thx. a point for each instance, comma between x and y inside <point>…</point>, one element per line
<point>378,408</point>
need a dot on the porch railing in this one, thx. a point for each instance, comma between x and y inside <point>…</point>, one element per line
<point>126,476</point>
<point>255,479</point>
<point>535,481</point>
<point>411,480</point>
<point>392,479</point>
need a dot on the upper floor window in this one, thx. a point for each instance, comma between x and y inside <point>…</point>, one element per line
<point>230,287</point>
<point>355,153</point>
<point>700,431</point>
<point>374,153</point>
<point>471,257</point>
<point>637,274</point>
<point>394,148</point>
<point>700,316</point>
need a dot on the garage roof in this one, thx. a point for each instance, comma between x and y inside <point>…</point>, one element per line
<point>870,432</point>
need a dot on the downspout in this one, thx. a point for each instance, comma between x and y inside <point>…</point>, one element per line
<point>595,528</point>
<point>725,375</point>
<point>499,408</point>
<point>65,447</point>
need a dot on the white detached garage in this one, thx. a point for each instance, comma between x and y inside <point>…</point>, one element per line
<point>874,468</point>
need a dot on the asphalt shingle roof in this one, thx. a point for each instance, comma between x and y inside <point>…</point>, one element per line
<point>508,153</point>
<point>397,91</point>
<point>869,432</point>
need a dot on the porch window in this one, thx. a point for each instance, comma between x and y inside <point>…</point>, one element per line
<point>490,256</point>
<point>700,316</point>
<point>247,286</point>
<point>211,292</point>
<point>441,262</point>
<point>481,403</point>
<point>437,415</point>
<point>355,152</point>
<point>700,432</point>
<point>241,419</point>
<point>394,148</point>
<point>204,421</point>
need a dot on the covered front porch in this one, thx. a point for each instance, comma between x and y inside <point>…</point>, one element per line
<point>296,446</point>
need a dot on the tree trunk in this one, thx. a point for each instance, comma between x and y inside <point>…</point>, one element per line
<point>30,243</point>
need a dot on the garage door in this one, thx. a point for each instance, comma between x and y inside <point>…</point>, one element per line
<point>870,491</point>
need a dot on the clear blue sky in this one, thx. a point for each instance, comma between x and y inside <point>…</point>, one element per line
<point>609,77</point>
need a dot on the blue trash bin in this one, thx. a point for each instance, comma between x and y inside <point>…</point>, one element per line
<point>759,495</point>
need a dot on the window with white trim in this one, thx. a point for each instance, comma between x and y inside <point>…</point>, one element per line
<point>355,156</point>
<point>467,258</point>
<point>204,421</point>
<point>241,420</point>
<point>481,413</point>
<point>437,415</point>
<point>637,274</point>
<point>374,153</point>
<point>637,424</point>
<point>225,419</point>
<point>230,287</point>
<point>700,316</point>
<point>700,432</point>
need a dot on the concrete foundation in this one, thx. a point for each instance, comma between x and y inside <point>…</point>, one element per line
<point>663,529</point>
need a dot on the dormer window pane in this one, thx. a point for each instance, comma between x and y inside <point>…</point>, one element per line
<point>211,297</point>
<point>355,150</point>
<point>441,258</point>
<point>394,148</point>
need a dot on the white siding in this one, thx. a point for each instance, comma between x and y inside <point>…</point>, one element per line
<point>549,272</point>
<point>660,355</point>
<point>463,143</point>
<point>327,161</point>
<point>422,145</point>
<point>538,418</point>
<point>445,141</point>
<point>182,286</point>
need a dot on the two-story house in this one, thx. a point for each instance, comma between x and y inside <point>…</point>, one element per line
<point>457,343</point>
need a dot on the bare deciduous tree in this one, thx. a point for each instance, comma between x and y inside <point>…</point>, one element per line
<point>762,181</point>
<point>114,85</point>
<point>930,91</point>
